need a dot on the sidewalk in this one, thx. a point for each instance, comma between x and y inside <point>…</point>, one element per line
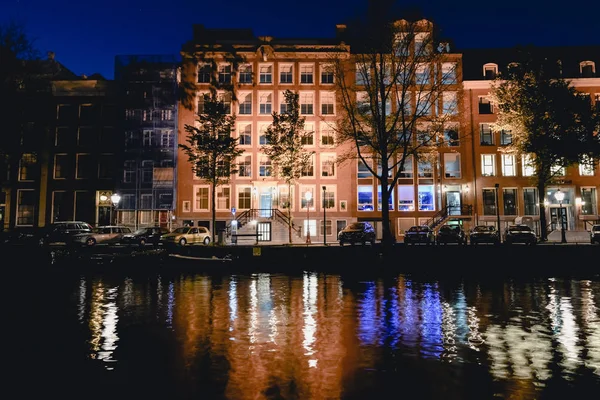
<point>575,237</point>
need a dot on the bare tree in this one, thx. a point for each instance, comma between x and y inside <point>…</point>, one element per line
<point>551,124</point>
<point>211,149</point>
<point>285,147</point>
<point>398,93</point>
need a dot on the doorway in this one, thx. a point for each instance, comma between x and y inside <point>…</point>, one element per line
<point>558,214</point>
<point>453,202</point>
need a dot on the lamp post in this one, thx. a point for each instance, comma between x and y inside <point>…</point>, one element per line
<point>115,198</point>
<point>497,186</point>
<point>560,196</point>
<point>308,198</point>
<point>324,218</point>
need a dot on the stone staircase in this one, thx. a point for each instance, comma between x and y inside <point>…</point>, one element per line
<point>279,231</point>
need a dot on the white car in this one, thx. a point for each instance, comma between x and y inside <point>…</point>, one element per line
<point>102,234</point>
<point>187,235</point>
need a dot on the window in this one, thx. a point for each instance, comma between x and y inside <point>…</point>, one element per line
<point>225,74</point>
<point>25,207</point>
<point>61,166</point>
<point>262,134</point>
<point>128,171</point>
<point>530,201</point>
<point>244,198</point>
<point>285,200</point>
<point>201,198</point>
<point>363,104</point>
<point>407,169</point>
<point>63,136</point>
<point>528,165</point>
<point>146,201</point>
<point>27,167</point>
<point>425,170</point>
<point>327,165</point>
<point>588,201</point>
<point>505,137</point>
<point>450,104</point>
<point>424,134</point>
<point>308,134</point>
<point>488,167</point>
<point>186,206</point>
<point>147,170</point>
<point>401,44</point>
<point>265,73</point>
<point>223,200</point>
<point>486,137</point>
<point>587,69</point>
<point>306,73</point>
<point>67,114</point>
<point>329,197</point>
<point>226,99</point>
<point>166,115</point>
<point>309,169</point>
<point>490,71</point>
<point>485,105</point>
<point>508,165</point>
<point>421,44</point>
<point>88,114</point>
<point>327,135</point>
<point>426,198</point>
<point>452,165</point>
<point>265,101</point>
<point>245,107</point>
<point>365,198</point>
<point>326,74</point>
<point>448,73</point>
<point>489,201</point>
<point>424,107</point>
<point>202,97</point>
<point>147,115</point>
<point>406,198</point>
<point>245,134</point>
<point>59,206</point>
<point>451,135</point>
<point>87,136</point>
<point>245,74</point>
<point>422,74</point>
<point>147,138</point>
<point>363,171</point>
<point>245,167</point>
<point>509,196</point>
<point>167,139</point>
<point>390,199</point>
<point>106,166</point>
<point>557,170</point>
<point>306,103</point>
<point>586,166</point>
<point>286,73</point>
<point>204,72</point>
<point>327,103</point>
<point>264,166</point>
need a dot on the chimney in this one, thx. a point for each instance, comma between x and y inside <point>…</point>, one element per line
<point>51,55</point>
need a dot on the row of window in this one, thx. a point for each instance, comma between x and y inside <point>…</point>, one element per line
<point>149,115</point>
<point>420,74</point>
<point>424,103</point>
<point>587,69</point>
<point>248,138</point>
<point>86,113</point>
<point>486,106</point>
<point>287,73</point>
<point>150,138</point>
<point>84,136</point>
<point>245,166</point>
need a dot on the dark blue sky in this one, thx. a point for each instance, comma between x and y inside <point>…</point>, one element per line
<point>86,36</point>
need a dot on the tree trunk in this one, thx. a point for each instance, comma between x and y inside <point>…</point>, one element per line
<point>543,222</point>
<point>213,203</point>
<point>289,212</point>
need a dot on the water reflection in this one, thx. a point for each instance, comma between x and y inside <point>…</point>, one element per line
<point>319,336</point>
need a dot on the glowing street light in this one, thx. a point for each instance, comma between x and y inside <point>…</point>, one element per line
<point>560,196</point>
<point>115,198</point>
<point>308,198</point>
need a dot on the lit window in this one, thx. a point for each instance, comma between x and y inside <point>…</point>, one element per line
<point>306,103</point>
<point>245,104</point>
<point>508,165</point>
<point>265,103</point>
<point>225,73</point>
<point>452,165</point>
<point>327,165</point>
<point>306,73</point>
<point>286,74</point>
<point>327,103</point>
<point>266,74</point>
<point>245,134</point>
<point>201,197</point>
<point>245,71</point>
<point>488,165</point>
<point>528,165</point>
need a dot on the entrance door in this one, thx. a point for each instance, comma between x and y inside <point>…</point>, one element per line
<point>453,202</point>
<point>556,218</point>
<point>265,204</point>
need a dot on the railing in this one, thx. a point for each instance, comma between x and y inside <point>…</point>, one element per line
<point>448,212</point>
<point>266,213</point>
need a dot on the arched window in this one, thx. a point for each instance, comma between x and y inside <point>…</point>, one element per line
<point>587,69</point>
<point>490,70</point>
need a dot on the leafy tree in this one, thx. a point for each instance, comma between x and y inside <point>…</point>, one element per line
<point>285,146</point>
<point>550,122</point>
<point>211,149</point>
<point>398,93</point>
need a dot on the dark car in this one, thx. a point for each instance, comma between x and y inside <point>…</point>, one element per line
<point>357,232</point>
<point>143,236</point>
<point>484,234</point>
<point>451,234</point>
<point>419,234</point>
<point>63,232</point>
<point>595,234</point>
<point>520,234</point>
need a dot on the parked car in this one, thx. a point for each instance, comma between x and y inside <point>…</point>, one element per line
<point>150,235</point>
<point>187,235</point>
<point>61,233</point>
<point>595,234</point>
<point>451,234</point>
<point>357,232</point>
<point>520,234</point>
<point>419,234</point>
<point>484,234</point>
<point>101,234</point>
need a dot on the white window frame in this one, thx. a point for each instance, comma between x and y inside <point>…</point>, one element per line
<point>281,68</point>
<point>195,198</point>
<point>490,67</point>
<point>526,163</point>
<point>242,97</point>
<point>241,130</point>
<point>222,198</point>
<point>326,67</point>
<point>326,131</point>
<point>265,99</point>
<point>456,157</point>
<point>242,69</point>
<point>327,163</point>
<point>327,98</point>
<point>307,98</point>
<point>243,158</point>
<point>266,71</point>
<point>509,164</point>
<point>488,164</point>
<point>307,69</point>
<point>309,132</point>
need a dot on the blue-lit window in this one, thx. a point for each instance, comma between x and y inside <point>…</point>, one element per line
<point>426,198</point>
<point>390,199</point>
<point>365,198</point>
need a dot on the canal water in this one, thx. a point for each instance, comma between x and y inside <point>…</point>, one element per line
<point>306,335</point>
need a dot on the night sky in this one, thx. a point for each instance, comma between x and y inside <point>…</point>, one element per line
<point>86,36</point>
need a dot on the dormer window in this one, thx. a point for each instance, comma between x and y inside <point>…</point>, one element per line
<point>587,69</point>
<point>490,70</point>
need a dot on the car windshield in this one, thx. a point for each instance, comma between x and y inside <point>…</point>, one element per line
<point>141,231</point>
<point>484,229</point>
<point>183,229</point>
<point>596,228</point>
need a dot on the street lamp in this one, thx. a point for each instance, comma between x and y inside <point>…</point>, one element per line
<point>497,186</point>
<point>560,196</point>
<point>308,198</point>
<point>115,198</point>
<point>324,218</point>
